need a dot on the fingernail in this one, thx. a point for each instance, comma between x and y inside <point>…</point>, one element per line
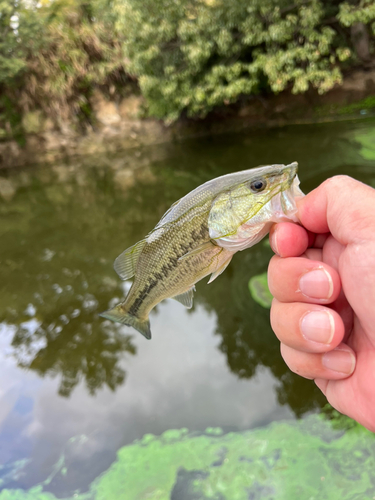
<point>273,242</point>
<point>316,284</point>
<point>339,360</point>
<point>318,326</point>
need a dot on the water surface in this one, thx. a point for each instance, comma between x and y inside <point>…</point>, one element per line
<point>77,386</point>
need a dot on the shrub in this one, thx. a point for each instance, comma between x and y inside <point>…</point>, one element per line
<point>188,56</point>
<point>195,55</point>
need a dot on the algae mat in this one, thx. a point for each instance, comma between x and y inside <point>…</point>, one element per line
<point>366,140</point>
<point>304,460</point>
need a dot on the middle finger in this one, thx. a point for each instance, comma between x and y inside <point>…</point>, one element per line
<point>299,279</point>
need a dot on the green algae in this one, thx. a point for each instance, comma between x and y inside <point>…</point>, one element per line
<point>284,461</point>
<point>366,104</point>
<point>366,139</point>
<point>362,107</point>
<point>215,431</point>
<point>309,459</point>
<point>32,494</point>
<point>259,290</point>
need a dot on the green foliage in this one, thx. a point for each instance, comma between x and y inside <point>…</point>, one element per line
<point>11,60</point>
<point>54,53</point>
<point>79,51</point>
<point>357,12</point>
<point>197,55</point>
<point>188,56</point>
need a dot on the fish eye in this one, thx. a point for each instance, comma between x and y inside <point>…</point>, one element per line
<point>258,185</point>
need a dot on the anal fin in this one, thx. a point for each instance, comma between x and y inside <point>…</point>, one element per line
<point>186,298</point>
<point>126,262</point>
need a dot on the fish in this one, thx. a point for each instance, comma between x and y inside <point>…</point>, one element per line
<point>199,235</point>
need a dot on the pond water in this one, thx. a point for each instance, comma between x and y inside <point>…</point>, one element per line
<point>75,388</point>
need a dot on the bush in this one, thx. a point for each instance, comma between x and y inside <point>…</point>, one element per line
<point>57,54</point>
<point>188,56</point>
<point>195,55</point>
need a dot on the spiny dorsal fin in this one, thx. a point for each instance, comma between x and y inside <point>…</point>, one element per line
<point>125,263</point>
<point>186,298</point>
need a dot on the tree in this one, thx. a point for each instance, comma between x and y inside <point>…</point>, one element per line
<point>359,16</point>
<point>187,56</point>
<point>194,55</point>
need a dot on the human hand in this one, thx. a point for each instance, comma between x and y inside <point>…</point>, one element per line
<point>323,282</point>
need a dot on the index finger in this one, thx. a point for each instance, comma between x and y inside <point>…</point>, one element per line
<point>341,206</point>
<point>288,239</point>
<point>298,279</point>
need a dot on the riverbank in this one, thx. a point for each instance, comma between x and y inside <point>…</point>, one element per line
<point>117,126</point>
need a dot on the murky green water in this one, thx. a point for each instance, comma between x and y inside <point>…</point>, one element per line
<point>75,386</point>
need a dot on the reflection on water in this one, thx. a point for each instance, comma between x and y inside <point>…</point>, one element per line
<point>215,365</point>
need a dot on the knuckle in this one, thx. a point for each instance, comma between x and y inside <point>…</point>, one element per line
<point>338,180</point>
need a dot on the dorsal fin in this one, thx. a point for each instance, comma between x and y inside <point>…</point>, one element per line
<point>125,263</point>
<point>186,298</point>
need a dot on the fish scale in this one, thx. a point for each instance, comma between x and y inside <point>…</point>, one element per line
<point>162,256</point>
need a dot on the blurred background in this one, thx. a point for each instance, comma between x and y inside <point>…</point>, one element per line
<point>110,111</point>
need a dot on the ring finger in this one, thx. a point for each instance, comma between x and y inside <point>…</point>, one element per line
<point>306,327</point>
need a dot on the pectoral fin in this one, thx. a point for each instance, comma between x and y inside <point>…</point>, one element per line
<point>196,251</point>
<point>186,298</point>
<point>224,262</point>
<point>125,263</point>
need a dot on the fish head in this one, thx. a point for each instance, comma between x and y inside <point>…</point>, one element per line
<point>267,195</point>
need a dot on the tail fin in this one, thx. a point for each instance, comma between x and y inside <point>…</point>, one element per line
<point>119,316</point>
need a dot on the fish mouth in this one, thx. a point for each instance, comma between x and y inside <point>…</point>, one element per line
<point>285,203</point>
<point>286,176</point>
<point>291,170</point>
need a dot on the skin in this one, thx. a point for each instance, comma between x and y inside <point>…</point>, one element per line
<point>326,265</point>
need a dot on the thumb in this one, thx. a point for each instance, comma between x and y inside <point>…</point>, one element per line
<point>342,206</point>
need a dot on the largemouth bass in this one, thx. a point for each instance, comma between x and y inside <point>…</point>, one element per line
<point>199,235</point>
